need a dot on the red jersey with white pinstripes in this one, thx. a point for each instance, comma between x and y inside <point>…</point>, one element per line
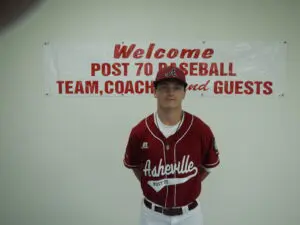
<point>171,166</point>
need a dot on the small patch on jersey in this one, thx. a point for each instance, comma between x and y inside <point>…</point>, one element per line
<point>145,145</point>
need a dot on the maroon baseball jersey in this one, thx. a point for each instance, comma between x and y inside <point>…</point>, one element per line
<point>171,166</point>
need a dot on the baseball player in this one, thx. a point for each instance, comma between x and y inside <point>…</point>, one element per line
<point>171,152</point>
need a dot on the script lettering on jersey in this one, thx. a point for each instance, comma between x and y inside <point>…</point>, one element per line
<point>184,166</point>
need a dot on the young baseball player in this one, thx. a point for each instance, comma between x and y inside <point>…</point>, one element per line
<point>171,152</point>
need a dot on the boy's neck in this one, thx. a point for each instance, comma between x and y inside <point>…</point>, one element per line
<point>170,117</point>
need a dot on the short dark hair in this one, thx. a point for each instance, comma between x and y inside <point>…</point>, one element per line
<point>156,84</point>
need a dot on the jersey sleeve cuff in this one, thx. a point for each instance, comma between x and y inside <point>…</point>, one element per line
<point>211,165</point>
<point>130,166</point>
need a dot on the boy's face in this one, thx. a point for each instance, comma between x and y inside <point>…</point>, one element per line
<point>169,94</point>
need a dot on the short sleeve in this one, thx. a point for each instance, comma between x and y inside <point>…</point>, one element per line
<point>211,157</point>
<point>132,158</point>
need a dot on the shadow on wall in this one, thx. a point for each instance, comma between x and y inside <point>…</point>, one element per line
<point>12,11</point>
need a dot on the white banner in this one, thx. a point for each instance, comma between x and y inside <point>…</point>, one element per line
<point>212,68</point>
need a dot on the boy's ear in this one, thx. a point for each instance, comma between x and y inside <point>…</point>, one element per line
<point>154,93</point>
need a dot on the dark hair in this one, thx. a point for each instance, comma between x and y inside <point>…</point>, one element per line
<point>166,80</point>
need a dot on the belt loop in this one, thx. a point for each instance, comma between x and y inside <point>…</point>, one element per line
<point>185,209</point>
